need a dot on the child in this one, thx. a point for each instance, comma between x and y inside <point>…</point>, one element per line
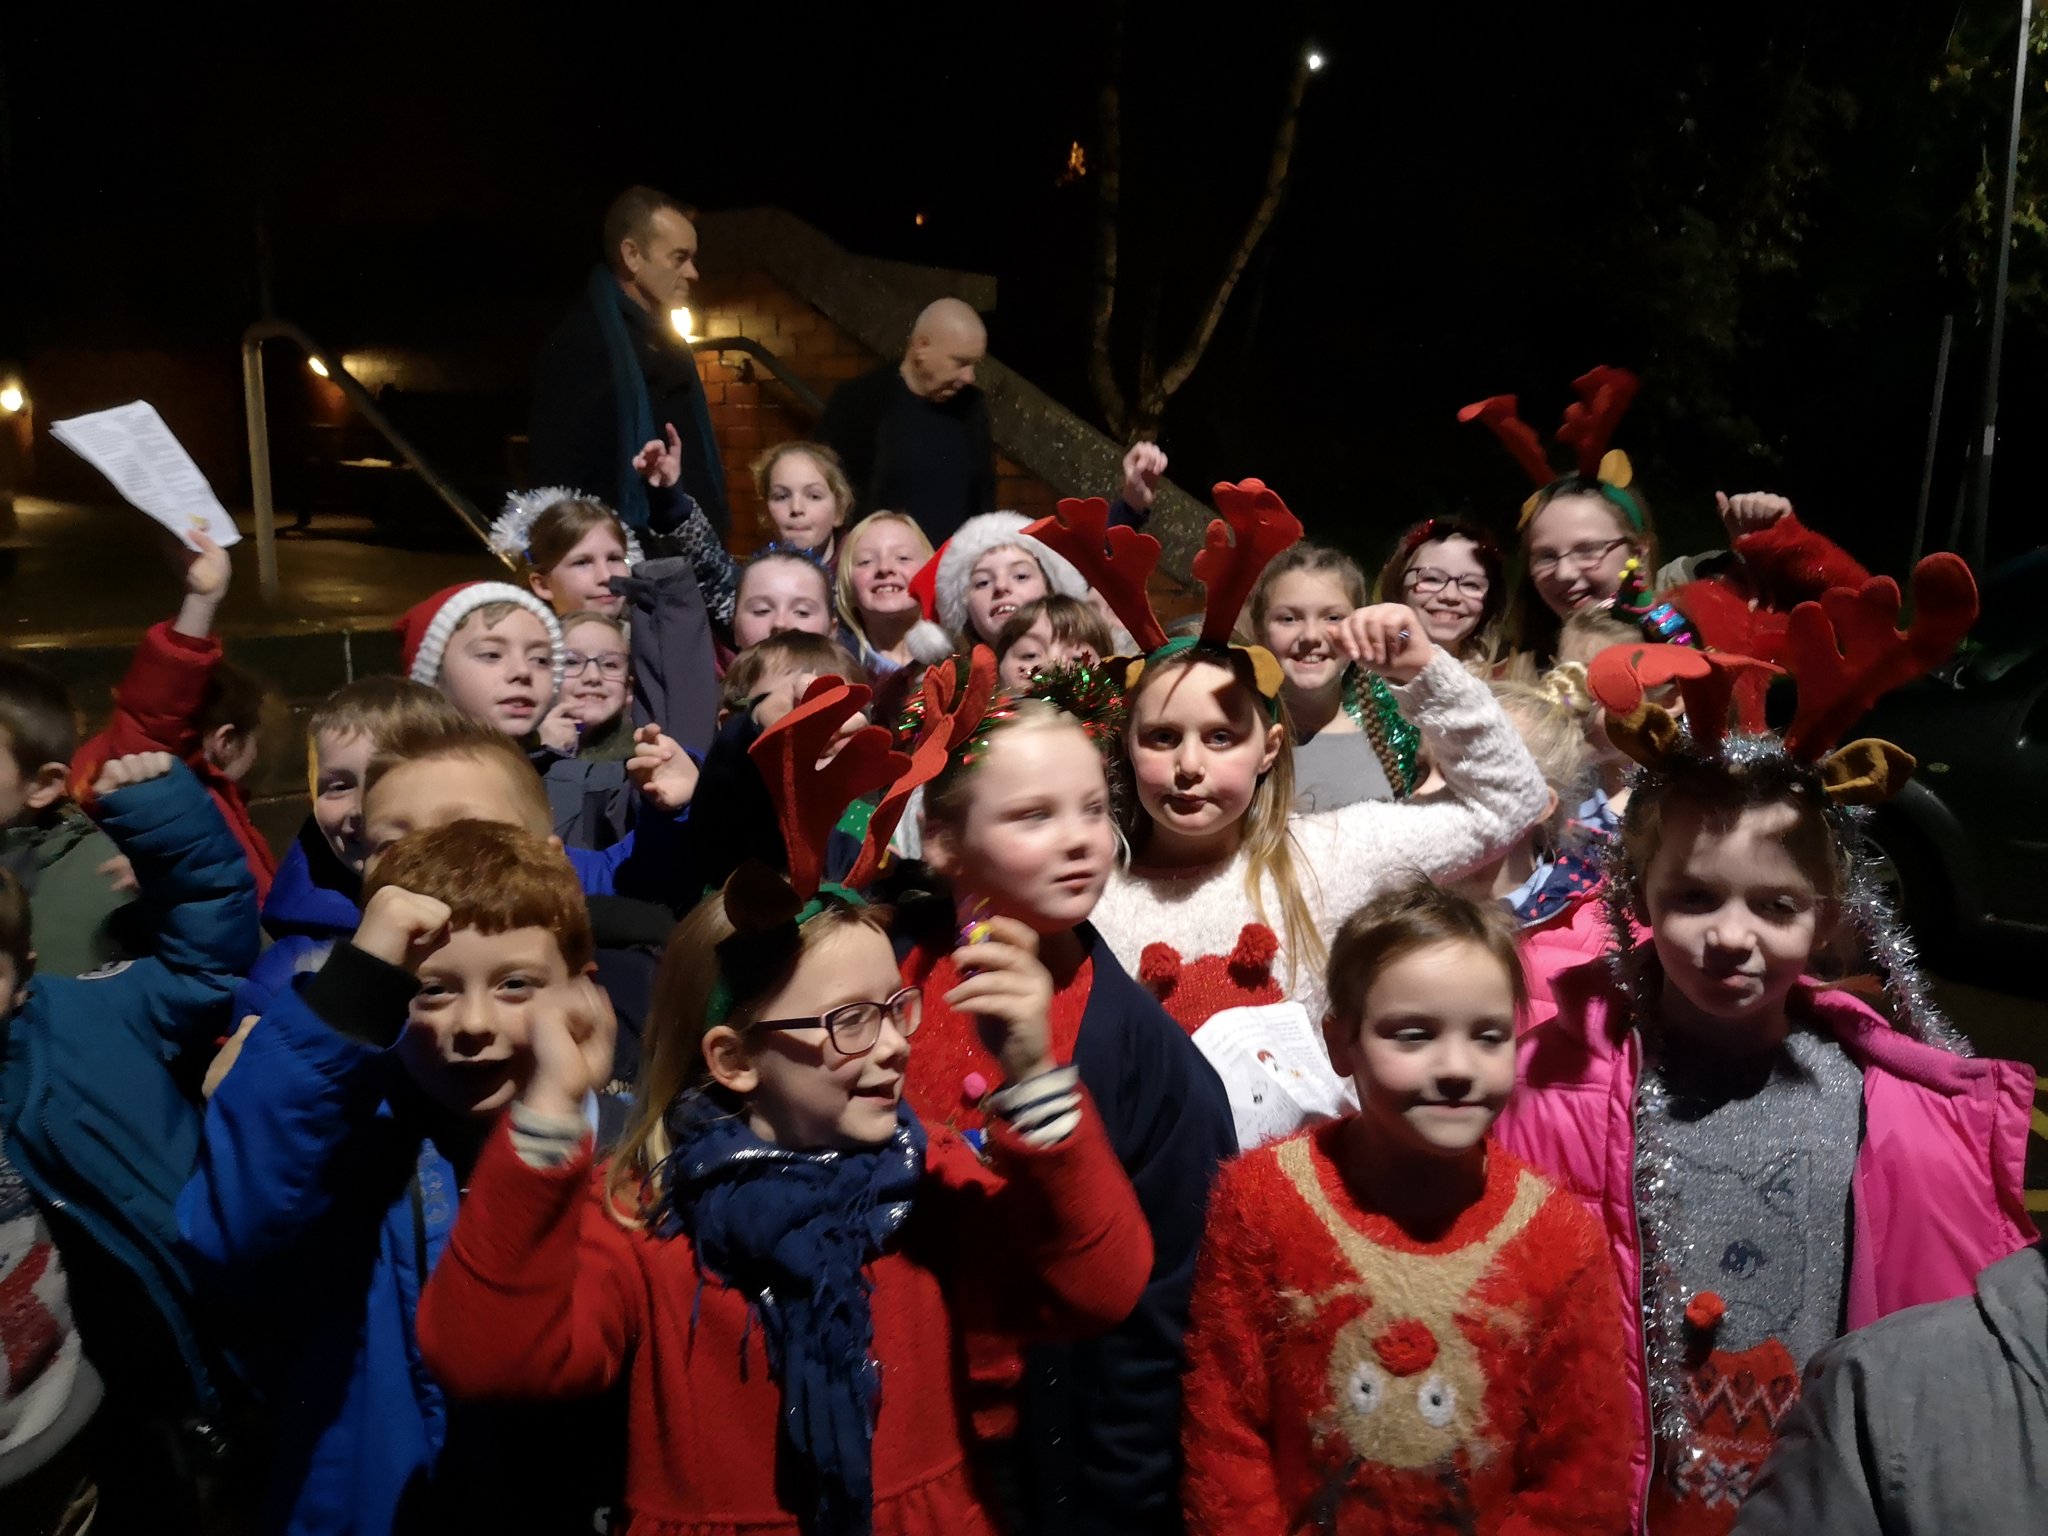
<point>878,609</point>
<point>1046,632</point>
<point>1579,639</point>
<point>1448,570</point>
<point>334,1162</point>
<point>1351,742</point>
<point>495,651</point>
<point>776,672</point>
<point>780,589</point>
<point>1543,872</point>
<point>65,864</point>
<point>783,1257</point>
<point>315,900</point>
<point>590,720</point>
<point>180,696</point>
<point>1398,1326</point>
<point>96,1126</point>
<point>806,499</point>
<point>1773,1159</point>
<point>1019,825</point>
<point>989,569</point>
<point>1218,856</point>
<point>574,547</point>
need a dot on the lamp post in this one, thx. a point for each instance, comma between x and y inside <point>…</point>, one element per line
<point>1974,528</point>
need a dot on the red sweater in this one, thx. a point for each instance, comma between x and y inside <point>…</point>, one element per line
<point>1343,1377</point>
<point>541,1294</point>
<point>949,1046</point>
<point>156,709</point>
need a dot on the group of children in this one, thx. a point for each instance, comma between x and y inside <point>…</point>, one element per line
<point>984,1057</point>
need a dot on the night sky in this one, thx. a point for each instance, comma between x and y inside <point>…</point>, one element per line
<point>1484,200</point>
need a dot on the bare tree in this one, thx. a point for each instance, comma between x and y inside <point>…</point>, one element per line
<point>1136,414</point>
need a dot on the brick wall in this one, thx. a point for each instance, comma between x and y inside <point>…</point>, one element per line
<point>751,411</point>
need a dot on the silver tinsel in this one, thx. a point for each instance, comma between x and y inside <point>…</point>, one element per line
<point>1659,1220</point>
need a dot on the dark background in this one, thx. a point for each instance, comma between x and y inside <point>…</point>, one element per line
<point>1761,209</point>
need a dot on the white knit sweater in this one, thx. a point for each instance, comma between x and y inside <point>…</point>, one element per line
<point>1343,858</point>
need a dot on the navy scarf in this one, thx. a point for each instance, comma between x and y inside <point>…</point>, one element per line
<point>792,1231</point>
<point>634,417</point>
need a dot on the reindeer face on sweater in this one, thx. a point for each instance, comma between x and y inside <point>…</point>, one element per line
<point>1194,991</point>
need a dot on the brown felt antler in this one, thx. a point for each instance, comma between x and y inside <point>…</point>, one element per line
<point>810,799</point>
<point>1846,649</point>
<point>1620,677</point>
<point>1118,562</point>
<point>1499,414</point>
<point>1589,422</point>
<point>1229,568</point>
<point>951,708</point>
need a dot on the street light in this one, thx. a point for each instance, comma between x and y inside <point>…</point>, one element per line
<point>11,398</point>
<point>318,366</point>
<point>1315,61</point>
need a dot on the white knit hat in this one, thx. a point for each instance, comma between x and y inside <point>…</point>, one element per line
<point>975,538</point>
<point>425,628</point>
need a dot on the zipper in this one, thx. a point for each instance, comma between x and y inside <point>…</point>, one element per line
<point>1632,1053</point>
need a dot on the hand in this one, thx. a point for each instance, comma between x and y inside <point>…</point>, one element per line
<point>136,768</point>
<point>206,568</point>
<point>400,927</point>
<point>574,1030</point>
<point>558,731</point>
<point>120,875</point>
<point>1010,995</point>
<point>1750,512</point>
<point>1388,637</point>
<point>1144,468</point>
<point>660,462</point>
<point>661,770</point>
<point>225,1058</point>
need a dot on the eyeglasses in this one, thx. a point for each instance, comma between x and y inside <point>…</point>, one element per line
<point>1582,557</point>
<point>853,1028</point>
<point>611,665</point>
<point>1426,581</point>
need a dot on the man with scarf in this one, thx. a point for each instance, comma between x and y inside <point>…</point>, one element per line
<point>614,378</point>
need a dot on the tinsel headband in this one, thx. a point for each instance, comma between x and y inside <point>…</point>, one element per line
<point>1118,562</point>
<point>1588,428</point>
<point>512,533</point>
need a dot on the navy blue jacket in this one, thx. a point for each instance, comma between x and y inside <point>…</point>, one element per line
<point>1100,1435</point>
<point>311,907</point>
<point>92,1115</point>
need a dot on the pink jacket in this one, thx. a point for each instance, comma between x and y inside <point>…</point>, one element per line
<point>1935,1197</point>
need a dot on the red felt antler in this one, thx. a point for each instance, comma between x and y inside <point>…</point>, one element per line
<point>1498,415</point>
<point>1118,562</point>
<point>1589,422</point>
<point>809,799</point>
<point>1620,676</point>
<point>1847,651</point>
<point>950,715</point>
<point>1229,568</point>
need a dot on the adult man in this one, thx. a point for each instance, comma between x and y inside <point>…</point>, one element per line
<point>914,435</point>
<point>614,377</point>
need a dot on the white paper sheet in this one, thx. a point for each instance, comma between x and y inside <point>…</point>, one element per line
<point>132,447</point>
<point>1275,1070</point>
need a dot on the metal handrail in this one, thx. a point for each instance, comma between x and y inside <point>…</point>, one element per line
<point>258,414</point>
<point>807,397</point>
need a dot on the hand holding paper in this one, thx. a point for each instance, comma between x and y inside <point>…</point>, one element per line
<point>132,447</point>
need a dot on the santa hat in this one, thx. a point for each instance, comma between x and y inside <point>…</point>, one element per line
<point>975,538</point>
<point>424,628</point>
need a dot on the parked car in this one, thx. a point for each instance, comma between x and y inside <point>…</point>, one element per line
<point>1965,845</point>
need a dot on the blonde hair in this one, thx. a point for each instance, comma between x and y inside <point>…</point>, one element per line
<point>378,708</point>
<point>1267,838</point>
<point>828,466</point>
<point>1530,624</point>
<point>1556,738</point>
<point>678,1018</point>
<point>1307,560</point>
<point>842,581</point>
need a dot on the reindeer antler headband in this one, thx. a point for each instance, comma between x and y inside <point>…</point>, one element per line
<point>1588,428</point>
<point>1119,562</point>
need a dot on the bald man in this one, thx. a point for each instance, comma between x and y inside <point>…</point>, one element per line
<point>914,434</point>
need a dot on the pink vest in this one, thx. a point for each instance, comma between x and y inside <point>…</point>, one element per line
<point>1935,1197</point>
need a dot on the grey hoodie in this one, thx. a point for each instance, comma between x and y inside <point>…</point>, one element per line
<point>1934,1420</point>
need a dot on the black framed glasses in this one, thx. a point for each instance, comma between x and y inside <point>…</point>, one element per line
<point>1427,581</point>
<point>611,665</point>
<point>853,1028</point>
<point>1582,557</point>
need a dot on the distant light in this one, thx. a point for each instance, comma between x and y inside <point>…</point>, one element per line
<point>318,366</point>
<point>1076,166</point>
<point>685,326</point>
<point>918,221</point>
<point>1315,62</point>
<point>12,399</point>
